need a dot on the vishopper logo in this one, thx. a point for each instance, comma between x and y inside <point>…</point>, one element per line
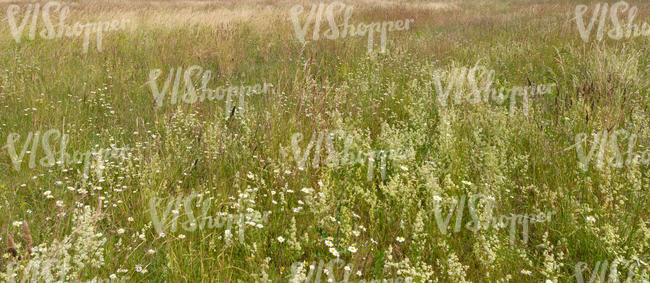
<point>605,148</point>
<point>621,29</point>
<point>345,29</point>
<point>47,139</point>
<point>302,271</point>
<point>483,216</point>
<point>475,85</point>
<point>637,271</point>
<point>184,206</point>
<point>192,94</point>
<point>345,158</point>
<point>57,29</point>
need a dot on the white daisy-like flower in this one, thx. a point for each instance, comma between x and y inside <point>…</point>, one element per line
<point>120,231</point>
<point>280,239</point>
<point>334,252</point>
<point>466,182</point>
<point>259,225</point>
<point>332,219</point>
<point>347,268</point>
<point>329,243</point>
<point>113,276</point>
<point>437,198</point>
<point>175,211</point>
<point>356,233</point>
<point>243,195</point>
<point>590,219</point>
<point>548,281</point>
<point>130,219</point>
<point>404,168</point>
<point>400,239</point>
<point>17,223</point>
<point>47,193</point>
<point>250,210</point>
<point>59,203</point>
<point>181,236</point>
<point>306,190</point>
<point>6,255</point>
<point>352,249</point>
<point>138,268</point>
<point>359,273</point>
<point>525,272</point>
<point>151,252</point>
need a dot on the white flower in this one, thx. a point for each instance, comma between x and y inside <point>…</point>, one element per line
<point>352,249</point>
<point>525,272</point>
<point>400,239</point>
<point>437,198</point>
<point>151,252</point>
<point>59,203</point>
<point>590,219</point>
<point>120,231</point>
<point>332,219</point>
<point>328,243</point>
<point>174,211</point>
<point>17,223</point>
<point>280,239</point>
<point>181,236</point>
<point>347,268</point>
<point>306,190</point>
<point>467,183</point>
<point>356,233</point>
<point>113,276</point>
<point>334,252</point>
<point>130,219</point>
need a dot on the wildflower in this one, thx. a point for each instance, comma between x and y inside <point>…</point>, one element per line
<point>280,239</point>
<point>250,175</point>
<point>332,219</point>
<point>243,195</point>
<point>250,210</point>
<point>330,238</point>
<point>47,193</point>
<point>175,211</point>
<point>356,233</point>
<point>467,183</point>
<point>151,252</point>
<point>6,255</point>
<point>113,276</point>
<point>329,243</point>
<point>17,223</point>
<point>181,236</point>
<point>138,268</point>
<point>525,272</point>
<point>404,168</point>
<point>259,226</point>
<point>120,231</point>
<point>400,239</point>
<point>437,198</point>
<point>347,268</point>
<point>359,273</point>
<point>59,203</point>
<point>334,252</point>
<point>306,190</point>
<point>162,235</point>
<point>352,249</point>
<point>590,219</point>
<point>130,219</point>
<point>549,281</point>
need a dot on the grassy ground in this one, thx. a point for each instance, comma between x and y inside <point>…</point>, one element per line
<point>242,160</point>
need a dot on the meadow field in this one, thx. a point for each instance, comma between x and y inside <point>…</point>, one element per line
<point>306,141</point>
